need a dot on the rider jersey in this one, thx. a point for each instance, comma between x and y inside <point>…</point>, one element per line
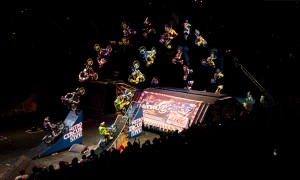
<point>103,130</point>
<point>47,125</point>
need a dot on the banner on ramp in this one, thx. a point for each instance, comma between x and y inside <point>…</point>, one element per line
<point>136,124</point>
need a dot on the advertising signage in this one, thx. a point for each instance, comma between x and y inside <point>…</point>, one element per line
<point>136,125</point>
<point>168,112</point>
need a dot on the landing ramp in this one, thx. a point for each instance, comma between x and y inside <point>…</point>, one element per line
<point>120,122</point>
<point>73,136</point>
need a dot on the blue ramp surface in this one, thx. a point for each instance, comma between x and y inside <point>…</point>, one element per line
<point>73,136</point>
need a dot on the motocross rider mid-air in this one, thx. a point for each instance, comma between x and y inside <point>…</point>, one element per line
<point>49,126</point>
<point>123,100</point>
<point>104,132</point>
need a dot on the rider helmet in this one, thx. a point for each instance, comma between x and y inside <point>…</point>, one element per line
<point>127,92</point>
<point>47,119</point>
<point>102,124</point>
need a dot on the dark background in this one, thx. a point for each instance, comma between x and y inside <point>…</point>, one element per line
<point>44,46</point>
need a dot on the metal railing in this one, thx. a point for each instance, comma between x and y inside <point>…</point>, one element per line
<point>255,82</point>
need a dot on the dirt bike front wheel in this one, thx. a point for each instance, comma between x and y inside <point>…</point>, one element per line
<point>113,130</point>
<point>124,110</point>
<point>80,91</point>
<point>102,144</point>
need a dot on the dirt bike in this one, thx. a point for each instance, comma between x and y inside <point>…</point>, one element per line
<point>103,55</point>
<point>71,100</point>
<point>148,56</point>
<point>88,72</point>
<point>136,77</point>
<point>59,130</point>
<point>208,62</point>
<point>122,106</point>
<point>122,102</point>
<point>104,139</point>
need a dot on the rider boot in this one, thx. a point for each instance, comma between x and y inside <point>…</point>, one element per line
<point>110,137</point>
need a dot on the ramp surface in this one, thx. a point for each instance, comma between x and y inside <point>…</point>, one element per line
<point>73,136</point>
<point>120,122</point>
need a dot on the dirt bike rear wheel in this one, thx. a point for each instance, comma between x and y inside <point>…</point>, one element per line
<point>65,130</point>
<point>102,144</point>
<point>81,75</point>
<point>204,62</point>
<point>89,62</point>
<point>48,139</point>
<point>96,76</point>
<point>76,99</point>
<point>60,126</point>
<point>57,131</point>
<point>142,49</point>
<point>73,107</point>
<point>77,111</point>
